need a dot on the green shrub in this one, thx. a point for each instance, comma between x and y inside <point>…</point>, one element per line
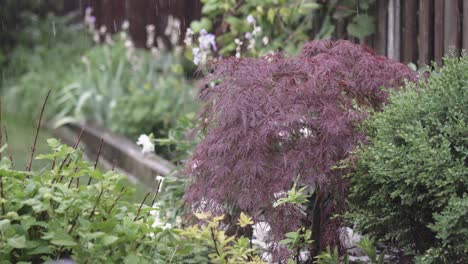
<point>451,227</point>
<point>410,183</point>
<point>46,214</point>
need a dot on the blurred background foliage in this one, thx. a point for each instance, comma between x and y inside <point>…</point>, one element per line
<point>285,24</point>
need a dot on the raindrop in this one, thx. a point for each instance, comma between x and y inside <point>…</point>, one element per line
<point>53,28</point>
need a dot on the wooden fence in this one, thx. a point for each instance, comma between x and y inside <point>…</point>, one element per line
<point>418,31</point>
<point>140,13</point>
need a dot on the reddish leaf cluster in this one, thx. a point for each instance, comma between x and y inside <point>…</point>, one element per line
<point>268,120</point>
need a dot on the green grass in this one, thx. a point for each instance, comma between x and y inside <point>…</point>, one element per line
<point>20,139</point>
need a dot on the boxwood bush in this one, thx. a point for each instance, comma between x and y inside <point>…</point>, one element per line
<point>410,184</point>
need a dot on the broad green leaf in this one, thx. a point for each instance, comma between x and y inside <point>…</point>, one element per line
<point>17,242</point>
<point>4,224</point>
<point>61,238</point>
<point>361,26</point>
<point>53,143</point>
<point>108,239</point>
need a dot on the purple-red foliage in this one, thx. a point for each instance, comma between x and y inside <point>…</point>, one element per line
<point>268,120</point>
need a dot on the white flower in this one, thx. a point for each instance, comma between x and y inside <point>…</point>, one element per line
<point>161,180</point>
<point>128,44</point>
<point>103,30</point>
<point>125,25</point>
<point>265,40</point>
<point>123,35</point>
<point>196,56</point>
<point>238,48</point>
<point>248,35</point>
<point>154,52</point>
<point>146,142</point>
<point>250,20</point>
<point>160,43</point>
<point>96,37</point>
<point>256,31</point>
<point>158,220</point>
<point>88,10</point>
<point>207,41</point>
<point>150,28</point>
<point>188,40</point>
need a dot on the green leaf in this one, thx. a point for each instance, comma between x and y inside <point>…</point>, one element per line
<point>41,250</point>
<point>204,23</point>
<point>17,242</point>
<point>63,239</point>
<point>271,15</point>
<point>108,239</point>
<point>237,24</point>
<point>245,220</point>
<point>53,143</point>
<point>131,259</point>
<point>361,26</point>
<point>4,224</point>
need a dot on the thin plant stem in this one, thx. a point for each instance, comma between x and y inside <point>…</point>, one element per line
<point>158,184</point>
<point>214,241</point>
<point>97,159</point>
<point>75,146</point>
<point>33,147</point>
<point>117,199</point>
<point>6,141</point>
<point>2,195</point>
<point>141,205</point>
<point>97,203</point>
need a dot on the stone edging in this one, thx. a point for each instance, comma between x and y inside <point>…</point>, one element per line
<point>127,155</point>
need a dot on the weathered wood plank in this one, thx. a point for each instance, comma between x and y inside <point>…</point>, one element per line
<point>381,34</point>
<point>438,30</point>
<point>127,155</point>
<point>137,19</point>
<point>452,30</point>
<point>465,25</point>
<point>409,50</point>
<point>391,29</point>
<point>426,32</point>
<point>393,36</point>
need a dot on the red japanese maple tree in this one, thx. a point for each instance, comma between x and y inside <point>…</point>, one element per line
<point>268,120</point>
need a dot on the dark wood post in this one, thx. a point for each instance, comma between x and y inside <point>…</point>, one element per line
<point>409,31</point>
<point>381,34</point>
<point>426,33</point>
<point>438,30</point>
<point>452,29</point>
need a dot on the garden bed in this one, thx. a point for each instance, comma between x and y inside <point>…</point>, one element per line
<point>116,149</point>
